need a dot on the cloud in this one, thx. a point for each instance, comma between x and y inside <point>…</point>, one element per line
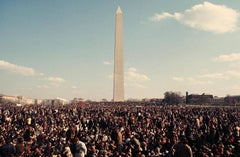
<point>135,79</point>
<point>191,80</point>
<point>207,16</point>
<point>230,74</point>
<point>214,76</point>
<point>52,81</point>
<point>178,78</point>
<point>27,71</point>
<point>158,17</point>
<point>133,75</point>
<point>233,74</point>
<point>22,70</point>
<point>228,57</point>
<point>107,63</point>
<point>209,78</point>
<point>110,76</point>
<point>134,84</point>
<point>236,87</point>
<point>74,87</point>
<point>55,81</point>
<point>43,86</point>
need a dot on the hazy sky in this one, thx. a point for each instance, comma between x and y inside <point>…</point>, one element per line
<point>65,48</point>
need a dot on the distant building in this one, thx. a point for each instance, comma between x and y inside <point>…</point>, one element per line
<point>232,100</point>
<point>8,99</point>
<point>60,101</point>
<point>156,101</point>
<point>57,101</point>
<point>38,101</point>
<point>199,99</point>
<point>18,100</point>
<point>26,101</point>
<point>77,100</point>
<point>133,100</point>
<point>218,101</point>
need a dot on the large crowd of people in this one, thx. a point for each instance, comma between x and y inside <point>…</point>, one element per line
<point>119,130</point>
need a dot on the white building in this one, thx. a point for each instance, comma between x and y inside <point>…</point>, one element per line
<point>19,100</point>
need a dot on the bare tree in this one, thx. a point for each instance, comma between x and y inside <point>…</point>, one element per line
<point>172,98</point>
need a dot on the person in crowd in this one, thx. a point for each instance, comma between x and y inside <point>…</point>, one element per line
<point>7,149</point>
<point>181,148</point>
<point>130,129</point>
<point>78,148</point>
<point>20,147</point>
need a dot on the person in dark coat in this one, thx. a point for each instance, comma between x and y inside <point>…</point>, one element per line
<point>182,149</point>
<point>8,149</point>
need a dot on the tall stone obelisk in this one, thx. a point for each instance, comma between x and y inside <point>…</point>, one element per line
<point>118,89</point>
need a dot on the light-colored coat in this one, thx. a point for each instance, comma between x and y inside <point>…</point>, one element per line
<point>81,149</point>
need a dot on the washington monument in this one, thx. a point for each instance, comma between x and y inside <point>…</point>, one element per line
<point>118,89</point>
